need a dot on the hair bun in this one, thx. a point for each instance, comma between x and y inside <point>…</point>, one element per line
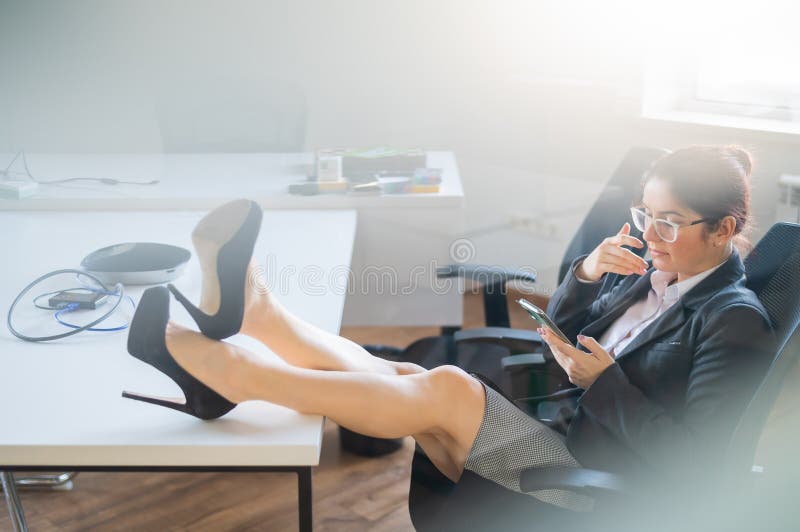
<point>743,157</point>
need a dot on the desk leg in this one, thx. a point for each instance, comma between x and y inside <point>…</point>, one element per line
<point>304,498</point>
<point>12,500</point>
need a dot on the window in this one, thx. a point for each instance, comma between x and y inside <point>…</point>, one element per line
<point>742,72</point>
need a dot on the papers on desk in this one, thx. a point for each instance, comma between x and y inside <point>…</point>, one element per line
<point>370,172</point>
<point>365,163</point>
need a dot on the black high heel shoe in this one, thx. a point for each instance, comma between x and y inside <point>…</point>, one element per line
<point>146,342</point>
<point>225,238</point>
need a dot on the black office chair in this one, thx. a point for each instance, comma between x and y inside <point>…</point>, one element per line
<point>462,348</point>
<point>498,352</point>
<point>435,503</point>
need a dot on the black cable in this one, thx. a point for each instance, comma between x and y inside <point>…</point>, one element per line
<point>74,306</point>
<point>118,290</point>
<point>54,292</point>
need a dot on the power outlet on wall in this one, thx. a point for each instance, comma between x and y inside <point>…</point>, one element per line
<point>534,225</point>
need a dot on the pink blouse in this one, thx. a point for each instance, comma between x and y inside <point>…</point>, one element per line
<point>662,295</point>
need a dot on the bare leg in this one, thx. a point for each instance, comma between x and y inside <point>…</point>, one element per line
<point>303,344</point>
<point>444,405</point>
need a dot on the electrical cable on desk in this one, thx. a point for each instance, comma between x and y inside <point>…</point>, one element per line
<point>74,306</point>
<point>70,307</point>
<point>103,180</point>
<point>69,300</point>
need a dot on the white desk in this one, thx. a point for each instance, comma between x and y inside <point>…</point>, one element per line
<point>401,238</point>
<point>60,403</point>
<point>202,181</point>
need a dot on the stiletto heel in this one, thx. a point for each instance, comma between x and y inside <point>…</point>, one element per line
<point>224,241</point>
<point>175,404</point>
<point>147,343</point>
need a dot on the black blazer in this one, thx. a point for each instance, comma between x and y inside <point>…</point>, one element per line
<point>672,399</point>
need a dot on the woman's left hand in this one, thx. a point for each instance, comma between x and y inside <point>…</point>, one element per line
<point>582,368</point>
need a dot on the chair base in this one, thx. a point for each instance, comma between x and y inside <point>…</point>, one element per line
<point>366,445</point>
<point>437,504</point>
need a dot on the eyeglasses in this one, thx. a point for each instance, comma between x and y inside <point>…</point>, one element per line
<point>666,230</point>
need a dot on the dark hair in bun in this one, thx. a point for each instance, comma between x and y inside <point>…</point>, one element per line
<point>713,181</point>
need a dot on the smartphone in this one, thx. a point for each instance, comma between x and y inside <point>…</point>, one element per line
<point>542,318</point>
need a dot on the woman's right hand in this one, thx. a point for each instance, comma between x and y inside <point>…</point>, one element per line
<point>611,257</point>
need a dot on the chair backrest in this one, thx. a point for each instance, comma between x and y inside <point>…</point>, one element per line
<point>773,273</point>
<point>233,115</point>
<point>739,475</point>
<point>610,210</point>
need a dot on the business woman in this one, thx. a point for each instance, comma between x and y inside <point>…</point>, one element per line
<point>670,355</point>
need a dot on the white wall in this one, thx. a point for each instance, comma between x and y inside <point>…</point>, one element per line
<point>516,89</point>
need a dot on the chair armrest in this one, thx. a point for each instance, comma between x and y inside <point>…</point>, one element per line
<point>484,274</point>
<point>554,410</point>
<point>493,280</point>
<point>587,481</point>
<point>516,340</point>
<point>526,360</point>
<point>555,396</point>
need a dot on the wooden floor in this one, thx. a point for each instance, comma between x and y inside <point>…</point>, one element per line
<point>350,492</point>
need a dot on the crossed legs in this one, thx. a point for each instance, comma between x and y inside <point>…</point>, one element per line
<point>329,375</point>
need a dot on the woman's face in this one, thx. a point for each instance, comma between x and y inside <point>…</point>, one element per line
<point>693,252</point>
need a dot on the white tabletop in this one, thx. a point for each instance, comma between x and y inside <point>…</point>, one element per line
<point>201,181</point>
<point>60,402</point>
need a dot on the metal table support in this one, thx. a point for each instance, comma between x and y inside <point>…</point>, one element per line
<point>15,511</point>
